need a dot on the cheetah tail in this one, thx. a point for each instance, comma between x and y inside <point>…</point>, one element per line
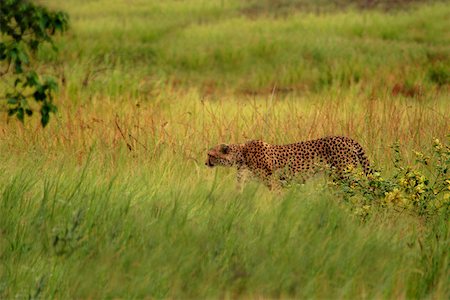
<point>363,160</point>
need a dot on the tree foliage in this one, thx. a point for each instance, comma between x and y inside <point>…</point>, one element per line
<point>24,26</point>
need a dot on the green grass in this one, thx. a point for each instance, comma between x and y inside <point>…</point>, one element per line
<point>82,216</point>
<point>74,232</point>
<point>215,45</point>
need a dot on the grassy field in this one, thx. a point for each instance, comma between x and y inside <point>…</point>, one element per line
<point>112,199</point>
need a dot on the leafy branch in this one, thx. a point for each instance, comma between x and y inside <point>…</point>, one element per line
<point>24,26</point>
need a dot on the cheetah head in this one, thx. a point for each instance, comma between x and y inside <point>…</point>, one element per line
<point>223,155</point>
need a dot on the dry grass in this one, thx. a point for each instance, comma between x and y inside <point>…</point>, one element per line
<point>186,124</point>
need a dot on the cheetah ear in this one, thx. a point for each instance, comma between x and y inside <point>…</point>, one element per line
<point>224,148</point>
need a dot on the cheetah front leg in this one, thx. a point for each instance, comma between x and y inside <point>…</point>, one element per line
<point>242,174</point>
<point>272,184</point>
<point>269,180</point>
<point>266,177</point>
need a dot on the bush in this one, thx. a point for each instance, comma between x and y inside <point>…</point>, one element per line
<point>422,188</point>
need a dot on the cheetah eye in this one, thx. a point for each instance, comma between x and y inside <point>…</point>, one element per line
<point>225,149</point>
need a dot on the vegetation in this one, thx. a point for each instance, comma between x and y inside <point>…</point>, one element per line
<point>23,27</point>
<point>215,45</point>
<point>112,199</point>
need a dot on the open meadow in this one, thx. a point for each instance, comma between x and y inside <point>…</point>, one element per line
<point>113,199</point>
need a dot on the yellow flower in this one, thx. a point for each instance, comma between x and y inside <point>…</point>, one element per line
<point>437,144</point>
<point>403,182</point>
<point>393,197</point>
<point>418,154</point>
<point>420,188</point>
<point>349,169</point>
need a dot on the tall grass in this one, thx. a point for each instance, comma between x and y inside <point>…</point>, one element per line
<point>112,199</point>
<point>80,232</point>
<point>84,216</point>
<point>186,124</point>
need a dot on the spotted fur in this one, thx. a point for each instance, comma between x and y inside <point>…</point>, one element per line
<point>272,163</point>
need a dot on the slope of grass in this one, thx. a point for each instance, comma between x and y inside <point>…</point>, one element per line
<point>213,45</point>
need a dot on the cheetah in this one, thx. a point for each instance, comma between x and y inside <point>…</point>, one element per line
<point>274,164</point>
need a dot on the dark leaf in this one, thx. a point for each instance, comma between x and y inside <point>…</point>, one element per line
<point>11,111</point>
<point>20,114</point>
<point>39,94</point>
<point>3,55</point>
<point>51,84</point>
<point>18,67</point>
<point>45,117</point>
<point>13,101</point>
<point>32,79</point>
<point>34,44</point>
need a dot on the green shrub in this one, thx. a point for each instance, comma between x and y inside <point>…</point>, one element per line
<point>422,188</point>
<point>439,74</point>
